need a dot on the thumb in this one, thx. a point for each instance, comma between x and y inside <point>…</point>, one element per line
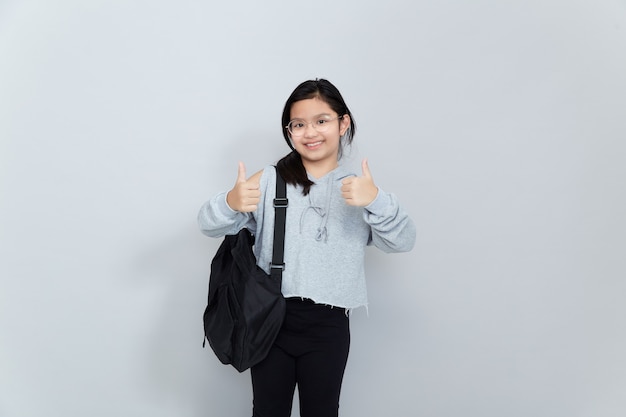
<point>366,169</point>
<point>241,173</point>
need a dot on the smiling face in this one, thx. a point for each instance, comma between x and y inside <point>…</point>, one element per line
<point>319,150</point>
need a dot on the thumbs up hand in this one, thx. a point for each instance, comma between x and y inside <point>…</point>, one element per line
<point>246,193</point>
<point>359,191</point>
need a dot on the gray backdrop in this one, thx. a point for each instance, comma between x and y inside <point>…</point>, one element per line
<point>499,125</point>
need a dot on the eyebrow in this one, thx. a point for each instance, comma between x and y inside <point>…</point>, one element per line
<point>316,116</point>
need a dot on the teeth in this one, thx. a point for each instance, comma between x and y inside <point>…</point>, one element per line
<point>313,144</point>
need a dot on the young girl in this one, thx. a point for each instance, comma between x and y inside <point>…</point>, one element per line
<point>333,214</point>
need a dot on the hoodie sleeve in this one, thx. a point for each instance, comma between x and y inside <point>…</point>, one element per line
<point>217,219</point>
<point>392,230</point>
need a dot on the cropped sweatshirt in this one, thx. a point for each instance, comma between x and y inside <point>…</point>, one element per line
<point>325,238</point>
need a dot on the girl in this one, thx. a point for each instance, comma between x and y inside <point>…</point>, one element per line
<point>333,215</point>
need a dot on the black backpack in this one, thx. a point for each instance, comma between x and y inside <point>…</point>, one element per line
<point>246,309</point>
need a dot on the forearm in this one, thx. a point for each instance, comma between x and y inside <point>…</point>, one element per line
<point>217,219</point>
<point>392,228</point>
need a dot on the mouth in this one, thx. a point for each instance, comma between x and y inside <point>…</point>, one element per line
<point>313,144</point>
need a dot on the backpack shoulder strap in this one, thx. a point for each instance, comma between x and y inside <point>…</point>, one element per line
<point>280,215</point>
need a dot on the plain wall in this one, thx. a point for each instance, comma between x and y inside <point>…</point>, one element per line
<point>500,126</point>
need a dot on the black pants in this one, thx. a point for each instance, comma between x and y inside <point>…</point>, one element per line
<point>311,351</point>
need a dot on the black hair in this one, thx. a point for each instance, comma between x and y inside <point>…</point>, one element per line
<point>290,166</point>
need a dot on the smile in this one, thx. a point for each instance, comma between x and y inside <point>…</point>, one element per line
<point>314,144</point>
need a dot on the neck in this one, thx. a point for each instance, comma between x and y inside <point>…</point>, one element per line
<point>319,169</point>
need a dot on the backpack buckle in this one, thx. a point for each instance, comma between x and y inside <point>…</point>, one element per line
<point>277,266</point>
<point>281,202</point>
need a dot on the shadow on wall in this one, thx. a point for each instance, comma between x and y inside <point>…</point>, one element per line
<point>175,370</point>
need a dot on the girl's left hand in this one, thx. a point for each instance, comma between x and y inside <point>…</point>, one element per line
<point>359,191</point>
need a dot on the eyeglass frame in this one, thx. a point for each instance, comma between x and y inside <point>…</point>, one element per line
<point>311,123</point>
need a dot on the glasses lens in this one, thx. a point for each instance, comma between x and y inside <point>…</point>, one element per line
<point>296,127</point>
<point>322,124</point>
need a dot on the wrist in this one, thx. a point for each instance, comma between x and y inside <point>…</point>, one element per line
<point>229,202</point>
<point>373,194</point>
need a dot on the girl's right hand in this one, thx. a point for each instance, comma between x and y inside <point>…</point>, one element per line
<point>246,193</point>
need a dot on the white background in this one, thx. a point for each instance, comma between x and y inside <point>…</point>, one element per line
<point>501,127</point>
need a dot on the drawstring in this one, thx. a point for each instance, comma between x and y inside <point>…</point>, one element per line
<point>322,230</point>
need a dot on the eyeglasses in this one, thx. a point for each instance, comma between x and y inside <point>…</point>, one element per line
<point>297,127</point>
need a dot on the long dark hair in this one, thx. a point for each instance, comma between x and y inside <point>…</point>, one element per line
<point>290,166</point>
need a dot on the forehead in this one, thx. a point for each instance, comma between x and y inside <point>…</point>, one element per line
<point>312,107</point>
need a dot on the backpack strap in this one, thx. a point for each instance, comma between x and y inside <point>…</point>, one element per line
<point>280,215</point>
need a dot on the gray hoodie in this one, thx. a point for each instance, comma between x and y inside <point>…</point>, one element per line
<point>325,238</point>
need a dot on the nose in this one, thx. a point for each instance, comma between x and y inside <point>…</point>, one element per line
<point>309,130</point>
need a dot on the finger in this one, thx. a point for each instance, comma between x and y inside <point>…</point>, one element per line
<point>249,208</point>
<point>345,188</point>
<point>366,169</point>
<point>253,193</point>
<point>241,173</point>
<point>251,202</point>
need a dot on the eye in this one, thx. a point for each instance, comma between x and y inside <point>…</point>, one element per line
<point>297,124</point>
<point>321,122</point>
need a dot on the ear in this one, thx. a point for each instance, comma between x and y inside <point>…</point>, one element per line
<point>344,125</point>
